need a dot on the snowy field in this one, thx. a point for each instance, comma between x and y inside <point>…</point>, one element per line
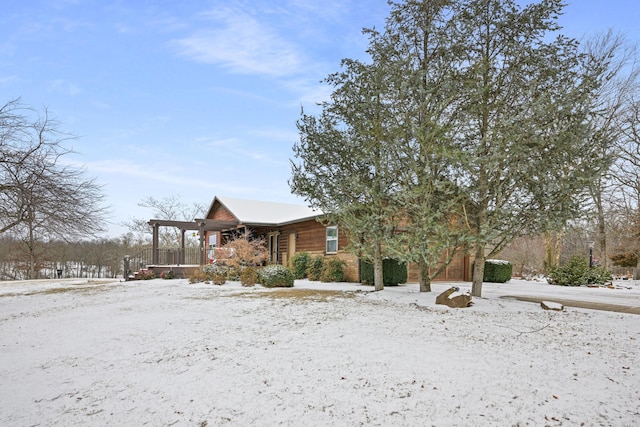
<point>164,352</point>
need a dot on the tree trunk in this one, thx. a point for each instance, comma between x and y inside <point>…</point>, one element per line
<point>602,242</point>
<point>478,271</point>
<point>425,280</point>
<point>378,278</point>
<point>553,245</point>
<point>636,273</point>
<point>32,253</point>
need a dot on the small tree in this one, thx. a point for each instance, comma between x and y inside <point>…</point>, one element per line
<point>243,251</point>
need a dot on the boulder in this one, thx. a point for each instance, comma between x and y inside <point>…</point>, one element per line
<point>548,305</point>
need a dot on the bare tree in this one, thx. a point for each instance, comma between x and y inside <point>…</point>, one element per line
<point>628,177</point>
<point>41,196</point>
<point>609,105</point>
<point>167,208</point>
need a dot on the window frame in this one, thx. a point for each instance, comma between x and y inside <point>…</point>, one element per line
<point>329,239</point>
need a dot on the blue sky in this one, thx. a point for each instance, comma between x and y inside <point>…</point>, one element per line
<point>197,98</point>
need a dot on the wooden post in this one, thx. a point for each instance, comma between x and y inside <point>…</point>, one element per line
<point>155,245</point>
<point>181,256</point>
<point>203,252</point>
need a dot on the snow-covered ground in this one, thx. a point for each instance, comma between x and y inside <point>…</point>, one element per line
<point>164,352</point>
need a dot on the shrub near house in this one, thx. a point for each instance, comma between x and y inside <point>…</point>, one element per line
<point>497,271</point>
<point>275,275</point>
<point>394,272</point>
<point>299,264</point>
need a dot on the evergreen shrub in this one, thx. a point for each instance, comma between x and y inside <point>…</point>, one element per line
<point>497,271</point>
<point>333,270</point>
<point>299,264</point>
<point>275,275</point>
<point>314,269</point>
<point>394,272</point>
<point>576,272</point>
<point>249,276</point>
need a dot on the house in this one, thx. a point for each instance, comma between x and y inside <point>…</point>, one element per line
<point>285,228</point>
<point>288,228</point>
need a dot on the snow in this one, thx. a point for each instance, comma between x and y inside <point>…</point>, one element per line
<point>262,212</point>
<point>164,352</point>
<point>498,261</point>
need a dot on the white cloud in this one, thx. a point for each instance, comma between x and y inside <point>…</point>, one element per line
<point>167,179</point>
<point>281,135</point>
<point>64,86</point>
<point>241,43</point>
<point>217,142</point>
<point>7,79</point>
<point>235,148</point>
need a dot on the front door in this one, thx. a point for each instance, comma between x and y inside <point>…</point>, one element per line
<point>274,239</point>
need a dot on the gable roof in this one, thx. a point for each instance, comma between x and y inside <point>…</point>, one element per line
<point>257,212</point>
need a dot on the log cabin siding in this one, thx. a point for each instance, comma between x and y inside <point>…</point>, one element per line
<point>309,236</point>
<point>458,269</point>
<point>222,214</point>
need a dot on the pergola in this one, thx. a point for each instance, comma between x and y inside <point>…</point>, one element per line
<point>201,225</point>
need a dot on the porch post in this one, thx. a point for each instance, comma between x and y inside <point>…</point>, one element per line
<point>181,256</point>
<point>203,252</point>
<point>156,250</point>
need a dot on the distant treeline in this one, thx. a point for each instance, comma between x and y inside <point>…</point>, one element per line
<point>99,258</point>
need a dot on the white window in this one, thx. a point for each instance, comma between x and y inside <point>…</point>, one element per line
<point>332,239</point>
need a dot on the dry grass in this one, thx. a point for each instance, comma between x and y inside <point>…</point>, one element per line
<point>302,295</point>
<point>91,287</point>
<point>80,290</point>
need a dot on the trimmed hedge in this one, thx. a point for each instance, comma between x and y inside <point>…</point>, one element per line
<point>394,272</point>
<point>497,271</point>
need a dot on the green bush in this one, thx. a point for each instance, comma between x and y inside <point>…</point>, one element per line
<point>275,275</point>
<point>394,272</point>
<point>577,273</point>
<point>333,270</point>
<point>497,271</point>
<point>315,267</point>
<point>299,264</point>
<point>249,276</point>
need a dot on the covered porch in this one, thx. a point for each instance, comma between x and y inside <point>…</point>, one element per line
<point>181,261</point>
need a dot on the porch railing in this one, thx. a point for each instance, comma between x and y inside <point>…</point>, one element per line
<point>187,256</point>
